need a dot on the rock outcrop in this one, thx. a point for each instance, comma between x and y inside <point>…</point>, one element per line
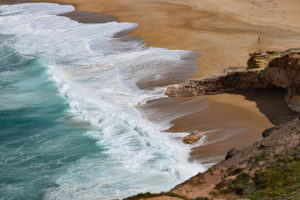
<point>267,132</point>
<point>268,169</point>
<point>270,69</point>
<point>232,152</point>
<point>193,137</point>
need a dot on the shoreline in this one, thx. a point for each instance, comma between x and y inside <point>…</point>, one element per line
<point>246,173</point>
<point>234,119</point>
<point>203,27</point>
<point>217,36</point>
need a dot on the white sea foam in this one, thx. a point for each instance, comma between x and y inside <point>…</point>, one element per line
<point>101,76</point>
<point>35,8</point>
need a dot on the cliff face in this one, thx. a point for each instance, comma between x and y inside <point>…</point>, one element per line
<point>270,69</point>
<point>269,169</point>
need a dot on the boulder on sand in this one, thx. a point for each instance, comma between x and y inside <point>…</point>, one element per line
<point>193,137</point>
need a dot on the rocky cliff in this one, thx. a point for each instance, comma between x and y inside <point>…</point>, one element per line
<point>268,69</point>
<point>269,169</point>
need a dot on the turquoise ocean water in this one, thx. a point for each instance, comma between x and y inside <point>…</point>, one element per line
<point>69,128</point>
<point>40,138</point>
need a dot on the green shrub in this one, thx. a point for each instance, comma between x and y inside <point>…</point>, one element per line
<point>281,177</point>
<point>234,171</point>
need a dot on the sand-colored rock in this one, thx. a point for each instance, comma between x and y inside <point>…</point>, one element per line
<point>265,70</point>
<point>193,137</point>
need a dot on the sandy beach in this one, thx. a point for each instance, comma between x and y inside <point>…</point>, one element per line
<point>89,110</point>
<point>223,34</point>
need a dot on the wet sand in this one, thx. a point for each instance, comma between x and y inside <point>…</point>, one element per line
<point>89,17</point>
<point>3,2</point>
<point>223,34</point>
<point>227,120</point>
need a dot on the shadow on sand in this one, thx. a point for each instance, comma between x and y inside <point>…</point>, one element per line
<point>271,103</point>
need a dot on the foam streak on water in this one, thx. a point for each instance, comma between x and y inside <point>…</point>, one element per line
<point>87,88</point>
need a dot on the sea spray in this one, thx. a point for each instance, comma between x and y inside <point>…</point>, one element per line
<point>70,127</point>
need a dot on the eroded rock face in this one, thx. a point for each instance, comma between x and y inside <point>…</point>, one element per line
<point>265,70</point>
<point>261,59</point>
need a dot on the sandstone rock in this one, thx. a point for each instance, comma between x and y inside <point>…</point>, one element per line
<point>265,70</point>
<point>259,59</point>
<point>234,68</point>
<point>232,152</point>
<point>193,137</point>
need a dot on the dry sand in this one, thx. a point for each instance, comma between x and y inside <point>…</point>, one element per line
<point>224,33</point>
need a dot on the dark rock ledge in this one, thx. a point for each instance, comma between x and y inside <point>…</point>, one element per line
<point>270,69</point>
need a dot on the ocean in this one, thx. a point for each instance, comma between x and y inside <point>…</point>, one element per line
<point>69,126</point>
